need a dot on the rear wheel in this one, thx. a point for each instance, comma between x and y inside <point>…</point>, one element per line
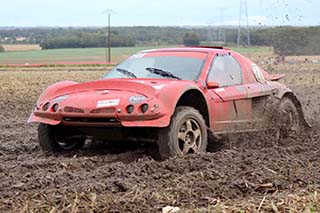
<point>52,139</point>
<point>289,119</point>
<point>186,134</point>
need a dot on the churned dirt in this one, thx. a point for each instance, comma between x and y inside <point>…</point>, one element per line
<point>250,173</point>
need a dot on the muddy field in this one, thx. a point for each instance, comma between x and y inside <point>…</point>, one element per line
<point>255,173</point>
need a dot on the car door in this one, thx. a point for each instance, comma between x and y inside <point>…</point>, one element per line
<point>260,93</point>
<point>230,107</point>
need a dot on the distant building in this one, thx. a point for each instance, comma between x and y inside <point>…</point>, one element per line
<point>4,39</point>
<point>20,38</point>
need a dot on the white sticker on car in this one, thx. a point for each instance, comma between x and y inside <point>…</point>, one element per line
<point>159,86</point>
<point>137,55</point>
<point>107,103</point>
<point>219,90</point>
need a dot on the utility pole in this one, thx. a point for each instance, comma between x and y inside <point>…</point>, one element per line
<point>243,17</point>
<point>108,34</point>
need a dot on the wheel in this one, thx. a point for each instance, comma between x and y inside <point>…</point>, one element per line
<point>289,119</point>
<point>186,134</point>
<point>52,140</point>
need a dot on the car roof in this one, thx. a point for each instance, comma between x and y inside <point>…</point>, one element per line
<point>207,49</point>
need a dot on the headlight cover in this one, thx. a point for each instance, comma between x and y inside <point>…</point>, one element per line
<point>60,98</point>
<point>135,99</point>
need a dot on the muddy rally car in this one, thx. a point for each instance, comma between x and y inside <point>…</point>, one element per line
<point>175,97</point>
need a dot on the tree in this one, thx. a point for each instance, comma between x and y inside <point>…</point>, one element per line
<point>296,41</point>
<point>191,39</point>
<point>1,49</point>
<point>290,41</point>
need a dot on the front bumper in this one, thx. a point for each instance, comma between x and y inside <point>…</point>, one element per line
<point>151,118</point>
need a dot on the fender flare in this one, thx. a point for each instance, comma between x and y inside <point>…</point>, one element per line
<point>51,90</point>
<point>47,93</point>
<point>177,96</point>
<point>294,98</point>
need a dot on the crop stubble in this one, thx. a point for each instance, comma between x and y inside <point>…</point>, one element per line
<point>238,176</point>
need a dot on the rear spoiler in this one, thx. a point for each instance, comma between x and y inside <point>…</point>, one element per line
<point>276,77</point>
<point>211,47</point>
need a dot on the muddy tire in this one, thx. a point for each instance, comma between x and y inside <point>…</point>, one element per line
<point>289,119</point>
<point>48,137</point>
<point>186,134</point>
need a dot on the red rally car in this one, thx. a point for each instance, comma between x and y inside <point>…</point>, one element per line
<point>174,96</point>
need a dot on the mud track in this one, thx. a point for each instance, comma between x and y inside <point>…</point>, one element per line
<point>128,179</point>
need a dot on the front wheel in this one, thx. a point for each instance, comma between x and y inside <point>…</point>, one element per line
<point>186,134</point>
<point>53,140</point>
<point>289,119</point>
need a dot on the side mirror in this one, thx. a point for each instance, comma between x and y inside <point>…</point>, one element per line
<point>212,85</point>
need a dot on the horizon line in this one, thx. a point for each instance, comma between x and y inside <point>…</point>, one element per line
<point>182,26</point>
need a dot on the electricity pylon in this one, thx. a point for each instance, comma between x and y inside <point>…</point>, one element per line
<point>243,29</point>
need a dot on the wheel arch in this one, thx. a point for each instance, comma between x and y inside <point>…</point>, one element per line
<point>293,97</point>
<point>195,98</point>
<point>51,90</point>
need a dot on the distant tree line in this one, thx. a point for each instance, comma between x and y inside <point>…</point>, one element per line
<point>297,41</point>
<point>87,39</point>
<point>285,40</point>
<point>150,35</point>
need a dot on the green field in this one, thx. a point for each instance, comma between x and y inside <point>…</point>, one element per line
<point>89,54</point>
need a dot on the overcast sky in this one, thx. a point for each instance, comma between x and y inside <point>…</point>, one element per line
<point>157,12</point>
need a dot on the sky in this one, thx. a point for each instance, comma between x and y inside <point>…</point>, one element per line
<point>33,13</point>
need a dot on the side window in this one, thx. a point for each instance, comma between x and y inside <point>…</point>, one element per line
<point>226,71</point>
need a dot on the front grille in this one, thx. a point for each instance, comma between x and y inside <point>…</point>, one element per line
<point>91,120</point>
<point>103,110</point>
<point>73,109</point>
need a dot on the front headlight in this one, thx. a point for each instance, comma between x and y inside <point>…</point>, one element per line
<point>135,99</point>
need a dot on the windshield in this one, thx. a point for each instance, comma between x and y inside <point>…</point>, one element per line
<point>173,65</point>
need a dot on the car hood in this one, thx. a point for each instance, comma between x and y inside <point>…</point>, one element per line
<point>114,84</point>
<point>146,87</point>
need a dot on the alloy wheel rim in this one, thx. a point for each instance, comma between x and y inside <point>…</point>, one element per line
<point>189,136</point>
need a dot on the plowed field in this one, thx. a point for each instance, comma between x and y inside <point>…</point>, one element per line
<point>251,173</point>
